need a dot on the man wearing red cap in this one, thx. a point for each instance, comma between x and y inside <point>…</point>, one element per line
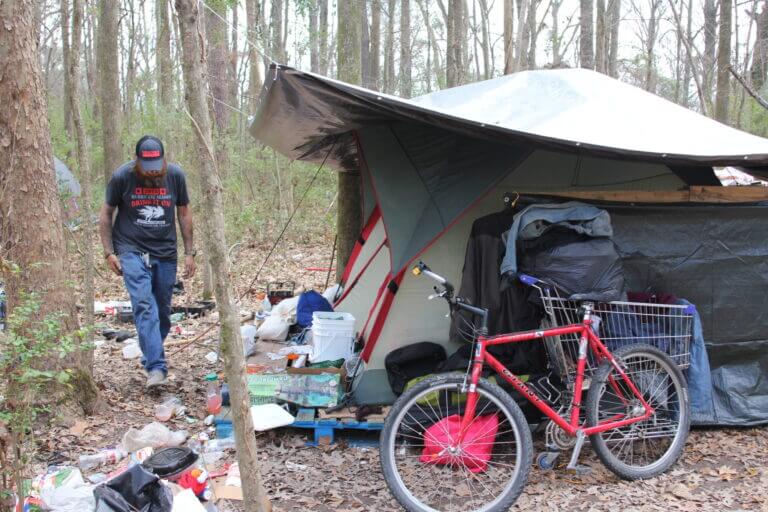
<point>140,245</point>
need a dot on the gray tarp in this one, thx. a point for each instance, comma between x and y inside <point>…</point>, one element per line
<point>719,262</point>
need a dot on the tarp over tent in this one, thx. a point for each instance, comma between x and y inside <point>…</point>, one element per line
<point>431,165</point>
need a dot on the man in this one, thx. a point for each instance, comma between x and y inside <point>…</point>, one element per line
<point>141,244</point>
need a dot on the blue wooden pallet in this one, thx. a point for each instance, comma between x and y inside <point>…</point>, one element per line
<point>324,430</point>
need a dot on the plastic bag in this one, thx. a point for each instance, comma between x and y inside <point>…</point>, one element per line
<point>269,416</point>
<point>155,435</point>
<point>275,327</point>
<point>135,490</point>
<point>69,499</point>
<point>476,447</point>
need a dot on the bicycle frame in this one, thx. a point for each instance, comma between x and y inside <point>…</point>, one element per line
<point>587,340</point>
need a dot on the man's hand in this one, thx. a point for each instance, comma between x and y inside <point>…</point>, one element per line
<point>189,266</point>
<point>114,264</point>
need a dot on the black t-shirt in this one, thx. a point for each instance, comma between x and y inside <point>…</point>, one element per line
<point>146,215</point>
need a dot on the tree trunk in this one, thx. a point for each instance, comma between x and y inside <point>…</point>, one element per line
<point>323,30</point>
<point>759,67</point>
<point>389,49</point>
<point>376,44</point>
<point>255,498</point>
<point>349,207</point>
<point>601,39</point>
<point>710,36</point>
<point>522,43</point>
<point>650,56</point>
<point>276,28</point>
<point>586,14</point>
<point>254,77</point>
<point>164,64</point>
<point>406,84</point>
<point>365,45</point>
<point>314,38</point>
<point>130,66</point>
<point>531,35</point>
<point>32,230</point>
<point>614,9</point>
<point>83,161</point>
<point>723,61</point>
<point>555,34</point>
<point>456,39</point>
<point>109,85</point>
<point>687,70</point>
<point>509,20</point>
<point>65,56</point>
<point>437,67</point>
<point>486,40</point>
<point>218,64</point>
<point>234,57</point>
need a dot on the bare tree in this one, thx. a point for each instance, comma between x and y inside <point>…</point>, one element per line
<point>323,30</point>
<point>83,161</point>
<point>586,36</point>
<point>375,62</point>
<point>164,63</point>
<point>723,62</point>
<point>365,45</point>
<point>614,21</point>
<point>405,49</point>
<point>389,49</point>
<point>276,31</point>
<point>65,56</point>
<point>710,40</point>
<point>215,245</point>
<point>455,42</point>
<point>435,59</point>
<point>759,67</point>
<point>218,68</point>
<point>109,85</point>
<point>349,206</point>
<point>601,37</point>
<point>253,11</point>
<point>314,37</point>
<point>485,30</point>
<point>509,20</point>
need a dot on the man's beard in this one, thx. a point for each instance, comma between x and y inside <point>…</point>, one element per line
<point>155,180</point>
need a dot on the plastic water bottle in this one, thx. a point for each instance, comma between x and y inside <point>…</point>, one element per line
<point>104,457</point>
<point>213,398</point>
<point>218,445</point>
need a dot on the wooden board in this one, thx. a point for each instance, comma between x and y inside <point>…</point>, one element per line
<point>696,194</point>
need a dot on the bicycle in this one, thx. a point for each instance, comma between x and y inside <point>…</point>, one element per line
<point>460,442</point>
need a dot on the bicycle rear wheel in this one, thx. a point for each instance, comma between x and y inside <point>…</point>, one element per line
<point>424,467</point>
<point>650,447</point>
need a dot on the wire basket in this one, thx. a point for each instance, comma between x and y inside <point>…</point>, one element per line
<point>667,327</point>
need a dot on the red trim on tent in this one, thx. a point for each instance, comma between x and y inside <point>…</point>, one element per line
<point>378,325</point>
<point>375,303</point>
<point>348,288</point>
<point>375,215</point>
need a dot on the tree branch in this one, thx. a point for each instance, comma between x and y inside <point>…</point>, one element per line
<point>763,103</point>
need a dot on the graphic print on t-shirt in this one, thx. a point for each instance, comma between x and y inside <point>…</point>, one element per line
<point>151,204</point>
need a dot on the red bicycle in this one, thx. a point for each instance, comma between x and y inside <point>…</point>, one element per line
<point>460,442</point>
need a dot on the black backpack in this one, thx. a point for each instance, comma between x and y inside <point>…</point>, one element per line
<point>411,361</point>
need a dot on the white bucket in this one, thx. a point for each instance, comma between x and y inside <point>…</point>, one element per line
<point>333,336</point>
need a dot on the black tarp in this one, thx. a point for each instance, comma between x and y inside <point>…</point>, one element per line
<point>715,256</point>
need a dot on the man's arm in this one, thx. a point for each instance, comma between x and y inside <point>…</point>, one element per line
<point>105,230</point>
<point>187,234</point>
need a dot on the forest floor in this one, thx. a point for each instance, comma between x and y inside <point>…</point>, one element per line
<point>722,469</point>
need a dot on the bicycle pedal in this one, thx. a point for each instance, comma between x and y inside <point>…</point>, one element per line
<point>579,470</point>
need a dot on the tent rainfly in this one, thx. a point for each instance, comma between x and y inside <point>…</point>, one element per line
<point>432,165</point>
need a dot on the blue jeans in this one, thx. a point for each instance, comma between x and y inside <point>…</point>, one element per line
<point>151,289</point>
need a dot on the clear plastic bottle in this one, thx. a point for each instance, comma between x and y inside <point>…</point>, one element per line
<point>213,399</point>
<point>217,445</point>
<point>104,457</point>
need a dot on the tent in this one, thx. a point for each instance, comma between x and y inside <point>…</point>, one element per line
<point>431,165</point>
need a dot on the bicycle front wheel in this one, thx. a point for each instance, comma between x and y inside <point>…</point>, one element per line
<point>427,469</point>
<point>650,447</point>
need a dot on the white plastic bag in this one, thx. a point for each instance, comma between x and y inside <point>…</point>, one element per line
<point>131,351</point>
<point>155,435</point>
<point>331,293</point>
<point>69,499</point>
<point>248,334</point>
<point>275,327</point>
<point>286,308</point>
<point>269,416</point>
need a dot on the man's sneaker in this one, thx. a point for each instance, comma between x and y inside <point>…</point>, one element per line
<point>155,378</point>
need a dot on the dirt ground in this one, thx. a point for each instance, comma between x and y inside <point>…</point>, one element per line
<point>720,470</point>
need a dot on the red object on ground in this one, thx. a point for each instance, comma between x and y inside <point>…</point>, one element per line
<point>474,450</point>
<point>191,480</point>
